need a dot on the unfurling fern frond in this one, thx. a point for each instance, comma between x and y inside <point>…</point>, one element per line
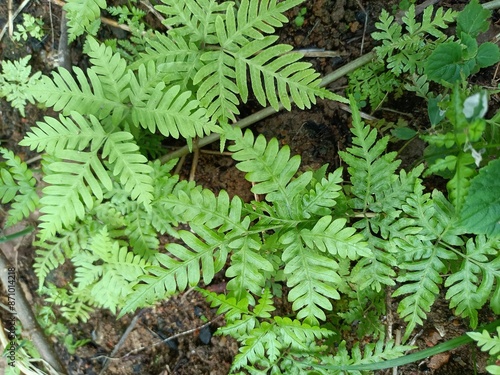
<point>83,16</point>
<point>17,185</point>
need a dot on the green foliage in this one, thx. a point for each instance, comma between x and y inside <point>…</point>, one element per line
<point>31,26</point>
<point>16,85</point>
<point>406,51</point>
<point>455,60</point>
<point>460,141</point>
<point>331,247</point>
<point>17,185</point>
<point>489,344</point>
<point>84,16</point>
<point>481,211</point>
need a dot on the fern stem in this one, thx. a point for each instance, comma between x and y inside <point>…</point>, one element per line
<point>268,111</point>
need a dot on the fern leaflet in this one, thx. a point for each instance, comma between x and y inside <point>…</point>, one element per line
<point>17,184</point>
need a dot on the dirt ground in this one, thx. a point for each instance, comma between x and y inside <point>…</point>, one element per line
<point>316,134</point>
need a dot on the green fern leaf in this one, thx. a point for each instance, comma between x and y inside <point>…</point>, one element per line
<point>67,196</point>
<point>423,265</point>
<point>268,166</point>
<point>218,91</point>
<point>248,267</point>
<point>299,335</point>
<point>83,16</point>
<point>51,254</point>
<point>110,272</point>
<point>312,278</point>
<point>370,169</point>
<point>17,184</point>
<point>66,94</point>
<point>332,236</point>
<point>130,166</point>
<point>175,274</point>
<point>486,342</point>
<point>143,238</point>
<point>176,60</point>
<point>173,114</point>
<point>255,18</point>
<point>193,19</point>
<point>470,287</point>
<point>321,198</point>
<point>240,320</point>
<point>255,348</point>
<point>55,136</point>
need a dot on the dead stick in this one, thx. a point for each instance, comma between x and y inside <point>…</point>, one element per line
<point>27,318</point>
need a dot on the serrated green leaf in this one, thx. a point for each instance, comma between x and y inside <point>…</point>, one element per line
<point>473,19</point>
<point>445,63</point>
<point>481,210</point>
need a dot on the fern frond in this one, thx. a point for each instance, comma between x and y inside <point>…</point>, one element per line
<point>134,174</point>
<point>67,195</point>
<point>181,268</point>
<point>218,90</point>
<point>372,353</point>
<point>248,267</point>
<point>51,254</point>
<point>66,94</point>
<point>486,342</point>
<point>17,184</point>
<point>240,320</point>
<point>267,165</point>
<point>193,19</point>
<point>55,136</point>
<point>313,279</point>
<point>255,18</point>
<point>143,238</point>
<point>108,270</point>
<point>172,112</point>
<point>260,348</point>
<point>470,287</point>
<point>276,74</point>
<point>332,236</point>
<point>370,169</point>
<point>175,59</point>
<point>83,16</point>
<point>320,199</point>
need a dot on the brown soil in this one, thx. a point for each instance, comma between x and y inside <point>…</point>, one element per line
<point>316,134</point>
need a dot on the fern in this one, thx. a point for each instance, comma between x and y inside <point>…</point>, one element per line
<point>17,185</point>
<point>488,344</point>
<point>471,287</point>
<point>16,85</point>
<point>107,271</point>
<point>406,52</point>
<point>83,16</point>
<point>370,169</point>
